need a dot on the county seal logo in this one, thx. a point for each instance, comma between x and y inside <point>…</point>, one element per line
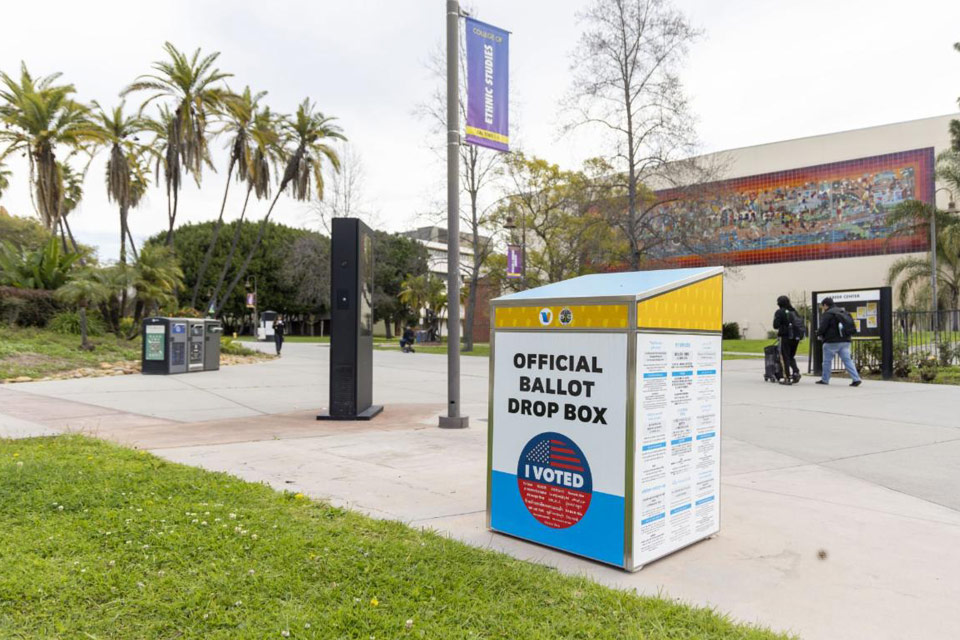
<point>566,316</point>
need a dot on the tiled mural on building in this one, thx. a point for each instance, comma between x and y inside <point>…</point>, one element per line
<point>826,211</point>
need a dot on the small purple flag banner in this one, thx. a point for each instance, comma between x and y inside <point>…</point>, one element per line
<point>514,261</point>
<point>487,86</point>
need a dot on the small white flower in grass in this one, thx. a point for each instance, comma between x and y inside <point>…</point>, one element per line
<point>206,615</point>
<point>233,516</point>
<point>251,571</point>
<point>253,537</point>
<point>238,603</point>
<point>161,573</point>
<point>409,624</point>
<point>84,570</point>
<point>112,563</point>
<point>285,633</point>
<point>60,508</point>
<point>194,521</point>
<point>141,585</point>
<point>203,524</point>
<point>306,625</point>
<point>129,541</point>
<point>19,463</point>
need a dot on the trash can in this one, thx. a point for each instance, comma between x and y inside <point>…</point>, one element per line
<point>213,329</point>
<point>163,346</point>
<point>195,339</point>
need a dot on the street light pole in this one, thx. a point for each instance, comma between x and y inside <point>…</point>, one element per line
<point>453,419</point>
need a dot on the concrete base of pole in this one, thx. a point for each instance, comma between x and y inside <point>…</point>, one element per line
<point>449,422</point>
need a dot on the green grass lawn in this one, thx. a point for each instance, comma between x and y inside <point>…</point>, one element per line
<point>756,346</point>
<point>289,339</point>
<point>38,352</point>
<point>99,541</point>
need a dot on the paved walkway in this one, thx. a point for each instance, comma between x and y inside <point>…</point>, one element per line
<point>871,476</point>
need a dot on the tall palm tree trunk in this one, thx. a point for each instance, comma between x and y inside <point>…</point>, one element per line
<point>133,247</point>
<point>213,240</point>
<point>123,262</point>
<point>233,250</point>
<point>253,250</point>
<point>123,235</point>
<point>172,216</point>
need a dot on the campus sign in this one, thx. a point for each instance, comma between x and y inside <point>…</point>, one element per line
<point>604,433</point>
<point>487,85</point>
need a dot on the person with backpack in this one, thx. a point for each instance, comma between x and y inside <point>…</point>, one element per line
<point>791,329</point>
<point>836,330</point>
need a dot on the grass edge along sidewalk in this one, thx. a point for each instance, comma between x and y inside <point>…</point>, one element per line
<point>100,541</point>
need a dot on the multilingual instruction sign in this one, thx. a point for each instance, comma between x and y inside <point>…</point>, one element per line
<point>557,461</point>
<point>677,468</point>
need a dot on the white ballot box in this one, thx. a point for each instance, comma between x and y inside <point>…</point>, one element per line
<point>604,425</point>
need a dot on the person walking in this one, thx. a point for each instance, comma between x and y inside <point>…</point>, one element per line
<point>790,329</point>
<point>278,327</point>
<point>836,331</point>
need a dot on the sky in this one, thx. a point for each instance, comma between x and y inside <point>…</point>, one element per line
<point>763,71</point>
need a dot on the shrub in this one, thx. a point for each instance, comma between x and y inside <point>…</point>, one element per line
<point>927,366</point>
<point>68,323</point>
<point>27,307</point>
<point>232,347</point>
<point>731,331</point>
<point>126,327</point>
<point>771,334</point>
<point>188,312</point>
<point>902,364</point>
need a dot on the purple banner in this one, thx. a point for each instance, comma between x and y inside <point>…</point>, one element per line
<point>514,261</point>
<point>487,86</point>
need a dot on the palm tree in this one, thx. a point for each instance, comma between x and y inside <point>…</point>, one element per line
<point>911,274</point>
<point>192,83</point>
<point>4,179</point>
<point>310,131</point>
<point>125,175</point>
<point>238,113</point>
<point>156,277</point>
<point>84,288</point>
<point>268,152</point>
<point>39,118</point>
<point>72,195</point>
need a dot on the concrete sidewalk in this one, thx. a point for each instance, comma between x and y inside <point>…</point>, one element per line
<point>871,476</point>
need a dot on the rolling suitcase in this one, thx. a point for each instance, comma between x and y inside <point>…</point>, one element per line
<point>773,366</point>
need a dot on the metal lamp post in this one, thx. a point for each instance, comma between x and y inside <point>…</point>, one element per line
<point>453,419</point>
<point>255,301</point>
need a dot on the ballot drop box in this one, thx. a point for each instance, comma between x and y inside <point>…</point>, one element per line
<point>604,424</point>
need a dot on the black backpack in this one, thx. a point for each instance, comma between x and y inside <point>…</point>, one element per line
<point>845,323</point>
<point>796,327</point>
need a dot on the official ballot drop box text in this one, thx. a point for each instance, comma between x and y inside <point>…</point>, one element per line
<point>604,425</point>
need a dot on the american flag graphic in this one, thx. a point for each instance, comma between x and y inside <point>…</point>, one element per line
<point>555,453</point>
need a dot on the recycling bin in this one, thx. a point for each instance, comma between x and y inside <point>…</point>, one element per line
<point>213,329</point>
<point>604,414</point>
<point>163,346</point>
<point>195,343</point>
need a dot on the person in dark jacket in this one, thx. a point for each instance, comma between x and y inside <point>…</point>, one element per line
<point>278,327</point>
<point>836,342</point>
<point>407,340</point>
<point>784,321</point>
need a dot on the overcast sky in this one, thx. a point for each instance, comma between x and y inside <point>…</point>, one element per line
<point>764,71</point>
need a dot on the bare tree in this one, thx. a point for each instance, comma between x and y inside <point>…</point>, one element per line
<point>345,192</point>
<point>479,170</point>
<point>626,85</point>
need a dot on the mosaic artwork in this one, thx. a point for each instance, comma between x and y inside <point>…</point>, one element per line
<point>825,211</point>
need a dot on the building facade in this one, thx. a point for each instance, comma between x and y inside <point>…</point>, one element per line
<point>809,214</point>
